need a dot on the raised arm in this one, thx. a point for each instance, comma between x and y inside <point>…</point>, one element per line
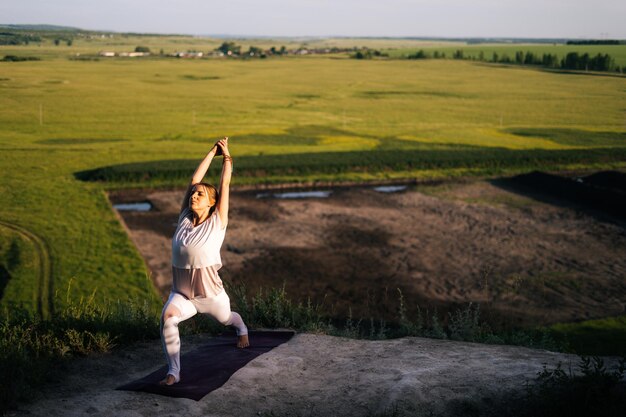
<point>198,175</point>
<point>224,191</point>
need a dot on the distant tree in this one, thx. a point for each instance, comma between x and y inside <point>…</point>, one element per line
<point>283,50</point>
<point>549,61</point>
<point>458,54</point>
<point>601,62</point>
<point>161,52</point>
<point>570,61</point>
<point>419,55</point>
<point>254,51</point>
<point>494,57</point>
<point>584,62</point>
<point>57,42</point>
<point>436,54</point>
<point>229,48</point>
<point>143,49</point>
<point>69,42</point>
<point>530,59</point>
<point>519,57</point>
<point>481,56</point>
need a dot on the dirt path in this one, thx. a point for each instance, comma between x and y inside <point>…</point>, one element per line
<point>45,290</point>
<point>311,375</point>
<point>524,261</point>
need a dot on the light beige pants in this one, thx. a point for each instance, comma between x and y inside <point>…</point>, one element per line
<point>217,307</point>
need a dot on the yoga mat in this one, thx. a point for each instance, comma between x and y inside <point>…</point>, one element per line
<point>209,366</point>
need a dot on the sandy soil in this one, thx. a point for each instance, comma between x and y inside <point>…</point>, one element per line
<point>524,261</point>
<point>311,375</point>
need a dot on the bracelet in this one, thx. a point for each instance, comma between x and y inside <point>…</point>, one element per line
<point>228,158</point>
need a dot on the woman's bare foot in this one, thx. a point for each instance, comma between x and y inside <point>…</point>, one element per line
<point>242,341</point>
<point>169,380</point>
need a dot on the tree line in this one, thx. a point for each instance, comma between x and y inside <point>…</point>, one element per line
<point>597,42</point>
<point>10,38</point>
<point>571,61</point>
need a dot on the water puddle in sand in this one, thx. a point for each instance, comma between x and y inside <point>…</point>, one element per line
<point>143,206</point>
<point>296,194</point>
<point>390,188</point>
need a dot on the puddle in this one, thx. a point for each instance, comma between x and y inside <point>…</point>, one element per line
<point>296,194</point>
<point>143,206</point>
<point>390,188</point>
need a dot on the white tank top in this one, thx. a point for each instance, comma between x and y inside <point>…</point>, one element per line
<point>197,247</point>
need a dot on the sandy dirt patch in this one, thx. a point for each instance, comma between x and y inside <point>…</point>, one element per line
<point>311,375</point>
<point>524,261</point>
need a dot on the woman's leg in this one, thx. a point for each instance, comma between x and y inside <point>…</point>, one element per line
<point>219,308</point>
<point>176,309</point>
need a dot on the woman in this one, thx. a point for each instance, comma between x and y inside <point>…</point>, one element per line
<point>196,285</point>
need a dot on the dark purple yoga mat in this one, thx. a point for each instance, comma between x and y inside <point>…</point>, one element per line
<point>209,366</point>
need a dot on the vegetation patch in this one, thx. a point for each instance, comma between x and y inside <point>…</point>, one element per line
<point>276,140</point>
<point>573,137</point>
<point>192,77</point>
<point>15,58</point>
<point>307,96</point>
<point>78,141</point>
<point>594,337</point>
<point>494,160</point>
<point>399,93</point>
<point>31,348</point>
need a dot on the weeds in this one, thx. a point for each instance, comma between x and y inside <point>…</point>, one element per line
<point>272,309</point>
<point>596,391</point>
<point>30,347</point>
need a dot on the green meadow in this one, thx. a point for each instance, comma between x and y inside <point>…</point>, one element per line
<point>72,129</point>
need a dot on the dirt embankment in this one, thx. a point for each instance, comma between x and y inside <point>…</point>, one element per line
<point>524,261</point>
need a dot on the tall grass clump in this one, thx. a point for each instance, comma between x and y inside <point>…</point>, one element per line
<point>465,324</point>
<point>595,391</point>
<point>32,348</point>
<point>272,309</point>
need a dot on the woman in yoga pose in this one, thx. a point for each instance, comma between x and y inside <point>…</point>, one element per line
<point>196,285</point>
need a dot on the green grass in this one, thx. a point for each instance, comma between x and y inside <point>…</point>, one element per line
<point>149,121</point>
<point>594,337</point>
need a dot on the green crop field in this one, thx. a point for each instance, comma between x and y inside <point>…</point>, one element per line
<point>70,130</point>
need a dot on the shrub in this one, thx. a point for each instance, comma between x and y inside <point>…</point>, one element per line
<point>14,58</point>
<point>597,391</point>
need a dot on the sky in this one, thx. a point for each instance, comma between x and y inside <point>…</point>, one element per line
<point>598,19</point>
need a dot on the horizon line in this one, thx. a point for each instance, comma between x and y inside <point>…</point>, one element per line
<point>250,36</point>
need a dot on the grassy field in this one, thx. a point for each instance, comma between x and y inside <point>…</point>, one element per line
<point>146,122</point>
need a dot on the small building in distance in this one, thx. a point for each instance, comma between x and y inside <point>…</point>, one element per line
<point>134,54</point>
<point>187,54</point>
